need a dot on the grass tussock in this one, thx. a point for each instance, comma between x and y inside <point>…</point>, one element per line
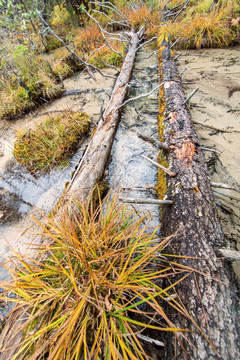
<point>143,15</point>
<point>52,142</point>
<point>100,265</point>
<point>204,24</point>
<point>25,80</point>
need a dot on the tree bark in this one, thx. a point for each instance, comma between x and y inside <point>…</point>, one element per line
<point>93,163</point>
<point>211,300</point>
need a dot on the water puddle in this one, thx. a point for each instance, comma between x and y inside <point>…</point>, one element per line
<point>216,104</point>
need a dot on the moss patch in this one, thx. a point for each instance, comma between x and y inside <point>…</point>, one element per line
<point>161,187</point>
<point>52,142</point>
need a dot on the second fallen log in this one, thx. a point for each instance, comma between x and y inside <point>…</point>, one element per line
<point>210,301</point>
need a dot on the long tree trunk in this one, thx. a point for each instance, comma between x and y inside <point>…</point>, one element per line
<point>211,299</point>
<point>93,163</point>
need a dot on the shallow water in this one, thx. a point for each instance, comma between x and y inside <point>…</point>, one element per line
<point>129,172</point>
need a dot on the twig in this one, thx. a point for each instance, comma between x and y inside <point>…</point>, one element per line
<point>213,127</point>
<point>150,340</point>
<point>146,42</point>
<point>178,56</point>
<point>152,141</point>
<point>209,149</point>
<point>144,188</point>
<point>95,50</point>
<point>230,254</point>
<point>169,172</point>
<point>110,66</point>
<point>223,186</point>
<point>145,201</point>
<point>175,42</point>
<point>191,95</point>
<point>223,196</point>
<point>182,72</point>
<point>140,96</point>
<point>111,7</point>
<point>180,11</point>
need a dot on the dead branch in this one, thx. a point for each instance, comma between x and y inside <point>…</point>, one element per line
<point>147,42</point>
<point>209,149</point>
<point>191,95</point>
<point>145,201</point>
<point>158,144</point>
<point>169,172</point>
<point>214,128</point>
<point>223,186</point>
<point>140,96</point>
<point>103,34</point>
<point>230,254</point>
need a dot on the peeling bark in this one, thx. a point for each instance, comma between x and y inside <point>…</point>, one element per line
<point>210,300</point>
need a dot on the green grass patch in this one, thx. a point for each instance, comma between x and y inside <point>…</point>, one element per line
<point>51,142</point>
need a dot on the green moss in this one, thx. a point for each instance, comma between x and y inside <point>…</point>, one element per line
<point>161,187</point>
<point>52,142</point>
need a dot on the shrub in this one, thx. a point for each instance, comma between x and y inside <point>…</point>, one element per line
<point>143,15</point>
<point>89,39</point>
<point>52,142</point>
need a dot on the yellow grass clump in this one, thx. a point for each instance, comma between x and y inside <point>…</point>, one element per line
<point>51,142</point>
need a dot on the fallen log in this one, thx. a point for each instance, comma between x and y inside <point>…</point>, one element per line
<point>93,163</point>
<point>210,300</point>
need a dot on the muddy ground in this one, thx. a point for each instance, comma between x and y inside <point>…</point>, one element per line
<point>215,110</point>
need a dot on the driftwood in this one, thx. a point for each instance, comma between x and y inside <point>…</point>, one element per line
<point>210,300</point>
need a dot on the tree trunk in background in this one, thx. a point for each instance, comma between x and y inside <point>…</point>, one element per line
<point>210,300</point>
